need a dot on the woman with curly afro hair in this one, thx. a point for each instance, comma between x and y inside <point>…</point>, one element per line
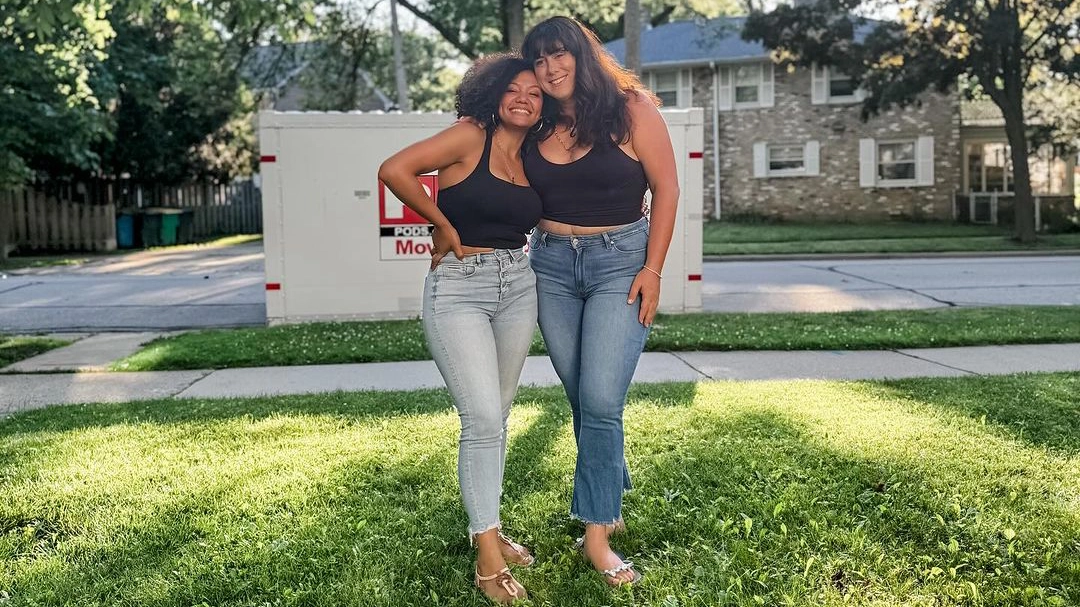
<point>479,305</point>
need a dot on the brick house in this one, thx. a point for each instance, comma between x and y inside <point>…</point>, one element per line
<point>788,143</point>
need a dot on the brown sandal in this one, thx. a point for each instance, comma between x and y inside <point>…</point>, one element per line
<point>520,555</point>
<point>504,580</point>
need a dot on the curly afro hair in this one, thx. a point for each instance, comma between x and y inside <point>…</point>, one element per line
<point>483,85</point>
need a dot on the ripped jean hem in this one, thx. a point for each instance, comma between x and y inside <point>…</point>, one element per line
<point>473,534</point>
<point>617,523</point>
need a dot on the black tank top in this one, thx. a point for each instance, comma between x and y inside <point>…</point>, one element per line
<point>605,187</point>
<point>487,211</point>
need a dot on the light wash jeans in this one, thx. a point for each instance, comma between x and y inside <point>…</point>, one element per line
<point>479,316</point>
<point>594,339</point>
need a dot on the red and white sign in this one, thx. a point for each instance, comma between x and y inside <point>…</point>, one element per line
<point>403,233</point>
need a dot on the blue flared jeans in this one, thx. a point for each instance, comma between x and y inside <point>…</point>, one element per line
<point>479,316</point>
<point>594,339</point>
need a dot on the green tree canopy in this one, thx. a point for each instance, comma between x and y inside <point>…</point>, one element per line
<point>475,27</point>
<point>144,88</point>
<point>51,55</point>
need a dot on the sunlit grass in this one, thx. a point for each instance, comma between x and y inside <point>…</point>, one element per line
<point>211,243</point>
<point>381,341</point>
<point>725,238</point>
<point>960,491</point>
<point>21,262</point>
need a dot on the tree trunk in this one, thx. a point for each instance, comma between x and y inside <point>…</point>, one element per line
<point>466,48</point>
<point>399,61</point>
<point>632,33</point>
<point>6,227</point>
<point>1011,101</point>
<point>515,24</point>
<point>1024,203</point>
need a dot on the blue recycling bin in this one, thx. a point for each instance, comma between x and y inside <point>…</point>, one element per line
<point>125,230</point>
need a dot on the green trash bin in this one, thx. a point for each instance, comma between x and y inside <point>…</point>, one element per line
<point>170,222</point>
<point>160,226</point>
<point>151,227</point>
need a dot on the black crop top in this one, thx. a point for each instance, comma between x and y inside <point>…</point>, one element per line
<point>487,211</point>
<point>605,187</point>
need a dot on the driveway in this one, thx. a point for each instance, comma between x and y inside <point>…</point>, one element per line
<point>142,291</point>
<point>223,287</point>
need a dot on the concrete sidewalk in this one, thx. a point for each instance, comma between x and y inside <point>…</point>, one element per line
<point>20,392</point>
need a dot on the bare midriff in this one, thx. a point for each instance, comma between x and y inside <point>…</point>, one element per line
<point>566,229</point>
<point>474,250</point>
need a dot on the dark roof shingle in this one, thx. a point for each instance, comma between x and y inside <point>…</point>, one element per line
<point>701,41</point>
<point>693,42</point>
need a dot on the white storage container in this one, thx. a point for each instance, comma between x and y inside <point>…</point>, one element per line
<point>340,246</point>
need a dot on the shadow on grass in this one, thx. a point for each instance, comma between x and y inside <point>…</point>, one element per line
<point>350,538</point>
<point>532,460</point>
<point>345,405</point>
<point>760,503</point>
<point>1041,410</point>
<point>737,497</point>
<point>371,532</point>
<point>15,349</point>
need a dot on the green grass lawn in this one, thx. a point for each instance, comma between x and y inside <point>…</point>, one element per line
<point>14,349</point>
<point>943,492</point>
<point>723,238</point>
<point>330,343</point>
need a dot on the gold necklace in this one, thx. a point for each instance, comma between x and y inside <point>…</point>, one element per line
<point>505,159</point>
<point>563,143</point>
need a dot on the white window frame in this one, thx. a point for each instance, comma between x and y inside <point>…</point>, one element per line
<point>775,147</point>
<point>835,75</point>
<point>726,87</point>
<point>870,163</point>
<point>683,86</point>
<point>811,162</point>
<point>821,77</point>
<point>885,183</point>
<point>759,78</point>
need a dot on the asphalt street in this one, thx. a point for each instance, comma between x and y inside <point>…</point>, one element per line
<point>223,287</point>
<point>142,291</point>
<point>881,284</point>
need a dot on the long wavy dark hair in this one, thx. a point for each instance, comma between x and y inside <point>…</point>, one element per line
<point>483,85</point>
<point>601,86</point>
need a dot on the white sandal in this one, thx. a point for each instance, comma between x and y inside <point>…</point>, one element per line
<point>610,575</point>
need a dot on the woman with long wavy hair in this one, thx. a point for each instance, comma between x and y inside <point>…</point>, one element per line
<point>598,259</point>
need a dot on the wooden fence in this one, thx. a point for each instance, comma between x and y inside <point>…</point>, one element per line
<point>35,221</point>
<point>83,217</point>
<point>219,209</point>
